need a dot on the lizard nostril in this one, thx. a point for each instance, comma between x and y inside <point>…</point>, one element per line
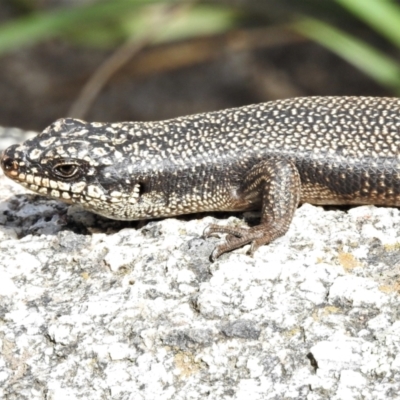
<point>8,164</point>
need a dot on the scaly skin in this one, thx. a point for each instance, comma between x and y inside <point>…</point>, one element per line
<point>270,156</point>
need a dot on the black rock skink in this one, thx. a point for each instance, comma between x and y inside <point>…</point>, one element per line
<point>270,156</point>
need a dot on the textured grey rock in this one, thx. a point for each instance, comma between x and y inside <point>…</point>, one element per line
<point>241,329</point>
<point>9,136</point>
<point>92,308</point>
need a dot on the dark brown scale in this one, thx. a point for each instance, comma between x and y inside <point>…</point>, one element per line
<point>271,156</point>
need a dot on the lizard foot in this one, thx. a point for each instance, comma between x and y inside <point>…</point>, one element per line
<point>237,237</point>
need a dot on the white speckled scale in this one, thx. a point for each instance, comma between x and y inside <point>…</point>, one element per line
<point>270,156</point>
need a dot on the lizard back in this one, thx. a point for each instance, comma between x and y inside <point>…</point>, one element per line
<point>346,151</point>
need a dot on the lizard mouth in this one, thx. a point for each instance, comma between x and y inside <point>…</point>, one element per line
<point>75,191</point>
<point>15,169</point>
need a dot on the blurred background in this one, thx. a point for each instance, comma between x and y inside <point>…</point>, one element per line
<point>114,60</point>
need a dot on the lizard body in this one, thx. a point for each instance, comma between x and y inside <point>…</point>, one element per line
<point>270,156</point>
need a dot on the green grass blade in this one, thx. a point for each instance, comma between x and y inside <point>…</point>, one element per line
<point>33,28</point>
<point>199,21</point>
<point>382,15</point>
<point>366,58</point>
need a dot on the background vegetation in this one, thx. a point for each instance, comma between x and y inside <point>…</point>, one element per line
<point>365,33</point>
<point>107,22</point>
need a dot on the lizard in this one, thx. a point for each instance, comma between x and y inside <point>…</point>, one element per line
<point>270,157</point>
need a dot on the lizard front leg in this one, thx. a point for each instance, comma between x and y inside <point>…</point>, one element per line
<point>277,182</point>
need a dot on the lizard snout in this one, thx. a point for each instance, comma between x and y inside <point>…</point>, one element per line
<point>9,163</point>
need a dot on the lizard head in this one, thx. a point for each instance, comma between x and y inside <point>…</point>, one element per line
<point>76,162</point>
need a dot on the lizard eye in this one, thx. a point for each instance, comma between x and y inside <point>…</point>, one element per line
<point>66,170</point>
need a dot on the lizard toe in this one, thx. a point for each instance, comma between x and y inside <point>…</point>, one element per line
<point>213,229</point>
<point>230,243</point>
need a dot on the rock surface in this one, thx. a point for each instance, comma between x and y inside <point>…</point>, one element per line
<point>98,309</point>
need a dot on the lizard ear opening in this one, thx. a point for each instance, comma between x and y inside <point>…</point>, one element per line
<point>136,192</point>
<point>142,188</point>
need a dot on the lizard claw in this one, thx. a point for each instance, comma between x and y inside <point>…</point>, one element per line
<point>237,237</point>
<point>208,231</point>
<point>255,244</point>
<point>223,247</point>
